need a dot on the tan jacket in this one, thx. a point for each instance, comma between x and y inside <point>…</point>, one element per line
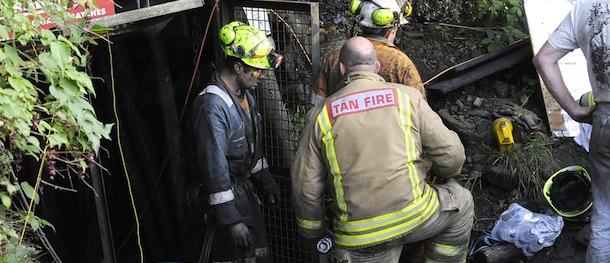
<point>363,148</point>
<point>396,67</point>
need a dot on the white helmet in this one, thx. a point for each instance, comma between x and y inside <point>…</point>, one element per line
<point>381,13</point>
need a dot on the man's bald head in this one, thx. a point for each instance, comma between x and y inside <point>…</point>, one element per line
<point>358,54</point>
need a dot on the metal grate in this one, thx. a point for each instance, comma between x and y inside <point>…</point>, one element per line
<point>283,100</point>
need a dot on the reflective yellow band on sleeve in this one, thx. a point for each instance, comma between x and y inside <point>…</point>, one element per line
<point>309,224</point>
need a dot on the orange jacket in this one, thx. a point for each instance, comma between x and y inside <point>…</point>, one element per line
<point>396,67</point>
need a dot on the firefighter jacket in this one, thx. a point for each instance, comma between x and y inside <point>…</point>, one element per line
<point>362,147</point>
<point>228,150</point>
<point>396,67</point>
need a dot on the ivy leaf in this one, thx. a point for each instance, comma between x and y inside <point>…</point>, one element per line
<point>28,190</point>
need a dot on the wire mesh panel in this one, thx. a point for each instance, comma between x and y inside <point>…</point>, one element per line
<point>283,101</point>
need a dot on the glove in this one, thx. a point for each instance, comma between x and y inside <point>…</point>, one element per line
<point>311,245</point>
<point>523,116</point>
<point>240,235</point>
<point>273,200</point>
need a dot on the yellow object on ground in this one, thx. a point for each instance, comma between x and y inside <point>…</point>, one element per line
<point>503,129</point>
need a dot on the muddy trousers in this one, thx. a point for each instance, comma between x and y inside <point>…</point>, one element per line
<point>446,233</point>
<point>223,250</point>
<point>598,250</point>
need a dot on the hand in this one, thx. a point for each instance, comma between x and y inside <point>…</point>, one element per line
<point>583,114</point>
<point>241,235</point>
<point>311,245</point>
<point>273,200</point>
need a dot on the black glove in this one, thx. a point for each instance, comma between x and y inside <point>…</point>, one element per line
<point>273,200</point>
<point>311,246</point>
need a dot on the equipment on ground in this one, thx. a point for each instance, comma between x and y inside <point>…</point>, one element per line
<point>568,192</point>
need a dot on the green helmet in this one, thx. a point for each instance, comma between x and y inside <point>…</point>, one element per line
<point>381,13</point>
<point>568,191</point>
<point>250,45</point>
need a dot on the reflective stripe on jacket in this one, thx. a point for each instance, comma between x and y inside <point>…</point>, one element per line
<point>363,148</point>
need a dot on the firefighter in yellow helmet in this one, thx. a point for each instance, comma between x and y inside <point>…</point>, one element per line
<point>227,140</point>
<point>379,21</point>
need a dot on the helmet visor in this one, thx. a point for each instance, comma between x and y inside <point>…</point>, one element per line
<point>263,55</point>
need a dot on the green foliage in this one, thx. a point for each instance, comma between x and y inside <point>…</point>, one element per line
<point>529,165</point>
<point>10,221</point>
<point>504,21</point>
<point>297,121</point>
<point>43,88</point>
<point>44,107</point>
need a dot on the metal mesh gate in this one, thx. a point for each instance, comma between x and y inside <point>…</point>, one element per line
<point>283,100</point>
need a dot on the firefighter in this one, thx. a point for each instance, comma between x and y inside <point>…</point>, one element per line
<point>379,21</point>
<point>380,198</point>
<point>227,140</point>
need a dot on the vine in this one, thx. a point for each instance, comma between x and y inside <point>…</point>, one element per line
<point>44,104</point>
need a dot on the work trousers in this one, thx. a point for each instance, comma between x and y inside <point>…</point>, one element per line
<point>598,250</point>
<point>223,250</point>
<point>446,233</point>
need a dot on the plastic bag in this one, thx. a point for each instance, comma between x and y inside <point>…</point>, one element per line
<point>531,232</point>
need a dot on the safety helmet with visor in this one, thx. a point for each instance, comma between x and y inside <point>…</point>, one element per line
<point>568,192</point>
<point>249,44</point>
<point>381,13</point>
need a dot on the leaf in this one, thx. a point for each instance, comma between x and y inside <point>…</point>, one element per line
<point>3,32</point>
<point>60,52</point>
<point>34,223</point>
<point>82,79</point>
<point>6,200</point>
<point>47,61</point>
<point>28,190</point>
<point>99,29</point>
<point>13,56</point>
<point>59,94</point>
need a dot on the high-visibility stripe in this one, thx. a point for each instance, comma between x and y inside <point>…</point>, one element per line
<point>429,260</point>
<point>221,197</point>
<point>213,89</point>
<point>447,250</point>
<point>408,224</point>
<point>329,143</point>
<point>309,224</point>
<point>416,208</point>
<point>260,165</point>
<point>410,149</point>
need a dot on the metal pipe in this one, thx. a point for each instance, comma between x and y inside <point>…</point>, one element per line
<point>102,215</point>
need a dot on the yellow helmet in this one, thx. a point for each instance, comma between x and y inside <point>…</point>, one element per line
<point>381,13</point>
<point>568,191</point>
<point>250,45</point>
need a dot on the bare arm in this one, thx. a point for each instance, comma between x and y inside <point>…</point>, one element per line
<point>546,64</point>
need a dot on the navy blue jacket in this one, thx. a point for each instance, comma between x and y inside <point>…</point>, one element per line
<point>228,149</point>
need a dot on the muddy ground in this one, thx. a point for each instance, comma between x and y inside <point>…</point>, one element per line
<point>440,35</point>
